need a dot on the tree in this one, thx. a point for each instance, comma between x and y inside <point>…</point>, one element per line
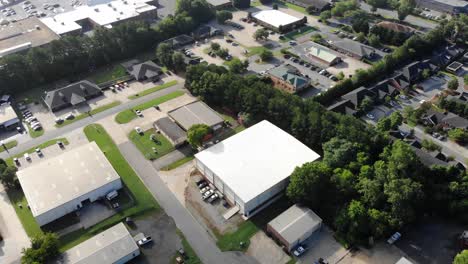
<point>164,54</point>
<point>215,46</point>
<point>453,84</point>
<point>275,6</point>
<point>8,177</point>
<point>222,16</point>
<point>426,73</point>
<point>458,135</point>
<point>339,152</point>
<point>361,25</point>
<point>361,37</point>
<point>374,40</point>
<point>178,61</point>
<point>238,66</point>
<point>199,10</point>
<point>352,223</point>
<point>430,145</point>
<point>465,79</point>
<point>366,104</point>
<point>325,15</point>
<point>341,8</point>
<point>197,134</point>
<point>396,119</point>
<point>261,33</point>
<point>309,184</point>
<point>266,55</point>
<point>405,8</point>
<point>384,124</point>
<point>461,258</point>
<point>44,248</point>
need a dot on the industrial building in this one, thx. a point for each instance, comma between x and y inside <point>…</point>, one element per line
<point>8,117</point>
<point>196,113</point>
<point>86,18</point>
<point>23,35</point>
<point>277,20</point>
<point>294,226</point>
<point>171,131</point>
<point>252,168</point>
<point>114,245</point>
<point>63,184</point>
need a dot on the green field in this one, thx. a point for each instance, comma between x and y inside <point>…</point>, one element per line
<point>129,114</point>
<point>18,200</point>
<point>108,74</point>
<point>178,163</point>
<point>145,145</point>
<point>9,145</point>
<point>144,202</point>
<point>92,112</point>
<point>152,90</point>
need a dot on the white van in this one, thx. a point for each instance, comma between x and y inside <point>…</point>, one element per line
<point>112,195</point>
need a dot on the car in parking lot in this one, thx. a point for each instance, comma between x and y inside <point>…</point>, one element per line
<point>60,144</point>
<point>39,152</point>
<point>300,250</point>
<point>27,157</point>
<point>213,198</point>
<point>144,241</point>
<point>139,130</point>
<point>207,194</point>
<point>138,113</point>
<point>204,189</point>
<point>370,116</point>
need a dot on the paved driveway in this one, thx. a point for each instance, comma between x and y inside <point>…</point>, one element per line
<point>14,236</point>
<point>266,251</point>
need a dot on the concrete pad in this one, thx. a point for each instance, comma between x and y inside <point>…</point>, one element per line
<point>177,180</point>
<point>265,250</point>
<point>323,245</point>
<point>348,66</point>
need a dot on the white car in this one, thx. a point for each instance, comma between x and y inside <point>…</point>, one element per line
<point>299,251</point>
<point>144,241</point>
<point>139,130</point>
<point>204,189</point>
<point>207,194</point>
<point>370,116</point>
<point>27,157</point>
<point>394,238</point>
<point>138,113</point>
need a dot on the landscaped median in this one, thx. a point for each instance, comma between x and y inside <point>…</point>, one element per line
<point>90,113</point>
<point>17,198</point>
<point>35,133</point>
<point>147,146</point>
<point>129,114</point>
<point>152,90</point>
<point>144,202</point>
<point>178,163</point>
<point>8,145</point>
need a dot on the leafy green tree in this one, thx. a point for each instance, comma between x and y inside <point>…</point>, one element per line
<point>384,124</point>
<point>426,73</point>
<point>396,119</point>
<point>374,40</point>
<point>238,66</point>
<point>404,197</point>
<point>352,223</point>
<point>361,25</point>
<point>309,184</point>
<point>461,258</point>
<point>453,84</point>
<point>366,104</point>
<point>458,135</point>
<point>325,15</point>
<point>361,37</point>
<point>266,55</point>
<point>430,145</point>
<point>260,34</point>
<point>8,177</point>
<point>215,46</point>
<point>222,16</point>
<point>197,133</point>
<point>340,8</point>
<point>178,61</point>
<point>465,79</point>
<point>164,54</point>
<point>339,152</point>
<point>197,9</point>
<point>44,248</point>
<point>405,8</point>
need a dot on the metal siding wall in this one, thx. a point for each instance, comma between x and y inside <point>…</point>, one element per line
<point>229,194</point>
<point>218,183</point>
<point>129,257</point>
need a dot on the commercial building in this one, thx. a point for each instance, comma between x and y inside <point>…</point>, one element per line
<point>196,113</point>
<point>277,20</point>
<point>8,117</point>
<point>146,71</point>
<point>317,5</point>
<point>252,168</point>
<point>219,4</point>
<point>288,78</point>
<point>71,95</point>
<point>447,6</point>
<point>294,226</point>
<point>23,35</point>
<point>354,49</point>
<point>114,245</point>
<point>85,18</point>
<point>171,131</point>
<point>323,55</point>
<point>63,184</point>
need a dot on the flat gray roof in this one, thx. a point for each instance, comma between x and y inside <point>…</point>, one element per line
<point>7,113</point>
<point>216,3</point>
<point>295,222</point>
<point>58,180</point>
<point>195,113</point>
<point>23,31</point>
<point>171,129</point>
<point>108,246</point>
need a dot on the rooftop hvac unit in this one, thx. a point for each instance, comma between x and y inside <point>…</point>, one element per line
<point>96,9</point>
<point>109,4</point>
<point>63,23</point>
<point>37,27</point>
<point>125,2</point>
<point>115,9</point>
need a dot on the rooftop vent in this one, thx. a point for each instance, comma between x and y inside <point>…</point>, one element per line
<point>96,9</point>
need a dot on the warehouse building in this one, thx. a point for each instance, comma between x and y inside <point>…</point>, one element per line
<point>63,184</point>
<point>8,117</point>
<point>278,21</point>
<point>171,131</point>
<point>252,168</point>
<point>196,113</point>
<point>294,226</point>
<point>114,245</point>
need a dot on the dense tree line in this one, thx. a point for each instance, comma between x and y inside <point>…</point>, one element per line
<point>389,36</point>
<point>366,185</point>
<point>454,106</point>
<point>73,55</point>
<point>414,48</point>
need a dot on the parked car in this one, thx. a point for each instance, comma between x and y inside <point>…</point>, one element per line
<point>139,130</point>
<point>60,144</point>
<point>202,184</point>
<point>300,250</point>
<point>70,116</point>
<point>144,241</point>
<point>58,120</point>
<point>204,189</point>
<point>394,238</point>
<point>39,152</point>
<point>370,116</point>
<point>16,160</point>
<point>213,198</point>
<point>19,129</point>
<point>138,113</point>
<point>27,157</point>
<point>207,194</point>
<point>292,43</point>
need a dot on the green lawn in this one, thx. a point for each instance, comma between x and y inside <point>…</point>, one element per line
<point>129,114</point>
<point>144,201</point>
<point>255,50</point>
<point>18,199</point>
<point>291,6</point>
<point>192,257</point>
<point>178,163</point>
<point>152,90</point>
<point>146,145</point>
<point>231,241</point>
<point>108,74</point>
<point>9,145</point>
<point>35,134</point>
<point>92,112</point>
<point>299,32</point>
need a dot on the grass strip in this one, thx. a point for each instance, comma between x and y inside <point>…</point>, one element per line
<point>145,145</point>
<point>35,133</point>
<point>8,145</point>
<point>178,163</point>
<point>92,112</point>
<point>191,256</point>
<point>152,90</point>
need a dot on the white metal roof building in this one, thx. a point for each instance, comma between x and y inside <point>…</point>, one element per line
<point>114,245</point>
<point>104,15</point>
<point>277,20</point>
<point>8,117</point>
<point>294,226</point>
<point>60,185</point>
<point>252,168</point>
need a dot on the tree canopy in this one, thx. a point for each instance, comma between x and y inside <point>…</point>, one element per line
<point>197,133</point>
<point>44,248</point>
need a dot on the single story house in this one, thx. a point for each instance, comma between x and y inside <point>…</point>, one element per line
<point>8,117</point>
<point>453,7</point>
<point>354,49</point>
<point>71,95</point>
<point>179,41</point>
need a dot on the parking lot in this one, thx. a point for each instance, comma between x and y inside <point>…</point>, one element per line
<point>43,8</point>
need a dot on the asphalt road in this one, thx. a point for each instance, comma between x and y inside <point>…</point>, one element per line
<point>197,236</point>
<point>59,132</point>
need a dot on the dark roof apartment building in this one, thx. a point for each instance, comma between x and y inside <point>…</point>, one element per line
<point>71,95</point>
<point>179,41</point>
<point>145,71</point>
<point>447,119</point>
<point>206,31</point>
